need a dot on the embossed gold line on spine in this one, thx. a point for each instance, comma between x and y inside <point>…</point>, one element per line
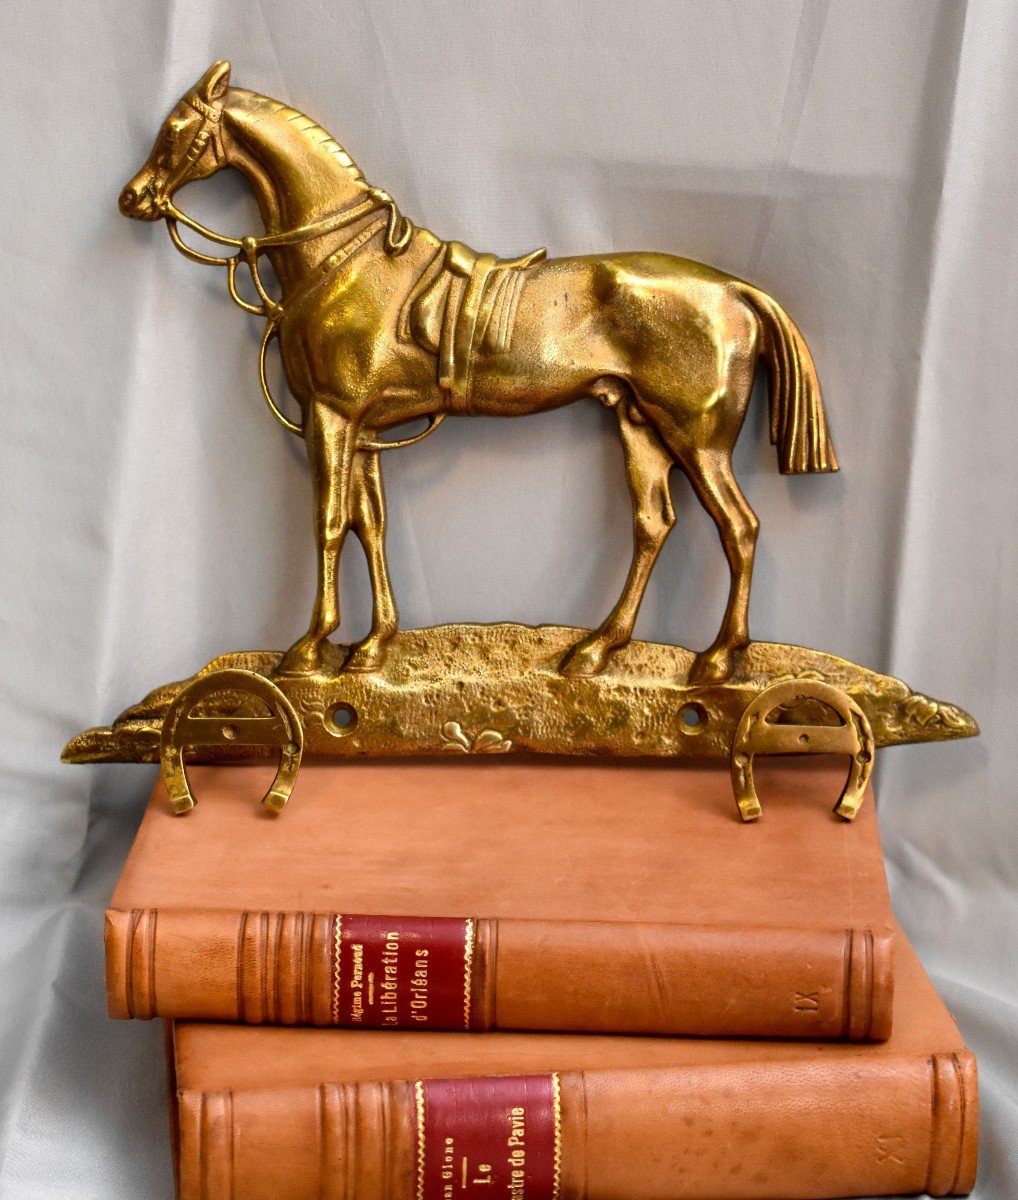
<point>556,1092</point>
<point>419,1105</point>
<point>337,945</point>
<point>468,969</point>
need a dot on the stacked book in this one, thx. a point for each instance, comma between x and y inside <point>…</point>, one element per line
<point>469,979</point>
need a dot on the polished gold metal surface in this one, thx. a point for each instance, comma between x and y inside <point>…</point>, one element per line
<point>381,323</point>
<point>496,689</point>
<point>194,722</point>
<point>769,726</point>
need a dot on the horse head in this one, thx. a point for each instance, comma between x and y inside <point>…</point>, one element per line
<point>189,147</point>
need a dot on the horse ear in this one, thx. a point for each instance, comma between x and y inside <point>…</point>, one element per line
<point>213,84</point>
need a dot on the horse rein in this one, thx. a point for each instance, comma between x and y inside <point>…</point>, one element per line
<point>398,232</point>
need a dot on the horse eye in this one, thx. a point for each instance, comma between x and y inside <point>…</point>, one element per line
<point>164,147</point>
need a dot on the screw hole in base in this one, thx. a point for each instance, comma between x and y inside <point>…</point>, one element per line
<point>693,718</point>
<point>340,719</point>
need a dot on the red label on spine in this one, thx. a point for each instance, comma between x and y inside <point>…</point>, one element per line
<point>402,972</point>
<point>489,1137</point>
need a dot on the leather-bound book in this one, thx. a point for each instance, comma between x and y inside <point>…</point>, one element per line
<point>494,894</point>
<point>331,1114</point>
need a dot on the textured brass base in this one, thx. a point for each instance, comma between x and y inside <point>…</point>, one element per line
<point>497,688</point>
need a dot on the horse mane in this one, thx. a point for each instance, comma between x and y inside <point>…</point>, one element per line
<point>318,137</point>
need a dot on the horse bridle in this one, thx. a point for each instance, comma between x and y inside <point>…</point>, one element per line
<point>398,232</point>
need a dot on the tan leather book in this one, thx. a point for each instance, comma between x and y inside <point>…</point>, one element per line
<point>493,894</point>
<point>306,1114</point>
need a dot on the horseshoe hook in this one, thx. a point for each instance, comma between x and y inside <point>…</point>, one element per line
<point>757,735</point>
<point>182,729</point>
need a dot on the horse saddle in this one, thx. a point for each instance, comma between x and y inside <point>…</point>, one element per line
<point>463,301</point>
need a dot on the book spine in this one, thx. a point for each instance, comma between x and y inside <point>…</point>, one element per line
<point>479,974</point>
<point>794,1130</point>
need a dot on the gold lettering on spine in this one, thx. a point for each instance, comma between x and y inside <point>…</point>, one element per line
<point>419,1104</point>
<point>468,970</point>
<point>419,983</point>
<point>337,947</point>
<point>516,1144</point>
<point>357,984</point>
<point>556,1091</point>
<point>390,978</point>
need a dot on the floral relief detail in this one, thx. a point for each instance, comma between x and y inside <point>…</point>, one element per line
<point>488,741</point>
<point>925,712</point>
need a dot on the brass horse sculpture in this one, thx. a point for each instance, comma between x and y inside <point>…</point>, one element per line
<point>381,323</point>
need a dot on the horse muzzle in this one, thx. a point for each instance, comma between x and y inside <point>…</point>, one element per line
<point>138,201</point>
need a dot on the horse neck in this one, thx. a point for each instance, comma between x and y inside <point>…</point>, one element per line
<point>297,172</point>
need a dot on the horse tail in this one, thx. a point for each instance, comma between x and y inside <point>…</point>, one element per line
<point>798,419</point>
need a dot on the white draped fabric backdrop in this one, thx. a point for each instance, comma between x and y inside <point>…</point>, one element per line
<point>856,158</point>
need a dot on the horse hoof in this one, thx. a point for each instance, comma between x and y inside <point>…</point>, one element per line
<point>585,658</point>
<point>303,658</point>
<point>368,656</point>
<point>712,666</point>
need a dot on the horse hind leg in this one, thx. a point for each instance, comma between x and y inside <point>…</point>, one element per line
<point>369,525</point>
<point>648,465</point>
<point>711,476</point>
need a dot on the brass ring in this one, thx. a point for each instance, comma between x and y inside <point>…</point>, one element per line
<point>282,729</point>
<point>756,735</point>
<point>433,419</point>
<point>272,331</point>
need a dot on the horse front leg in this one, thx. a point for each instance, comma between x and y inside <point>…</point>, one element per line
<point>648,464</point>
<point>369,525</point>
<point>331,442</point>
